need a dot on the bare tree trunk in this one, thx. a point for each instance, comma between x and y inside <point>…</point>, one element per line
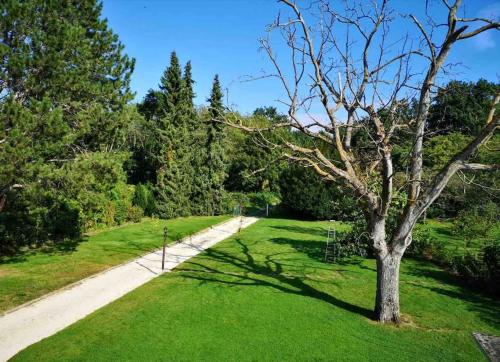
<point>363,78</point>
<point>387,297</point>
<point>388,261</point>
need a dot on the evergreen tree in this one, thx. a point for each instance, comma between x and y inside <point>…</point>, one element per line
<point>171,84</point>
<point>173,174</point>
<point>189,98</point>
<point>461,106</point>
<point>152,105</point>
<point>64,51</point>
<point>197,134</point>
<point>64,88</point>
<point>215,150</point>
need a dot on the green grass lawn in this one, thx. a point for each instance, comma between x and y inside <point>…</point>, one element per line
<point>36,273</point>
<point>265,294</point>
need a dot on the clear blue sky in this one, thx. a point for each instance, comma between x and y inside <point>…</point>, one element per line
<point>221,36</point>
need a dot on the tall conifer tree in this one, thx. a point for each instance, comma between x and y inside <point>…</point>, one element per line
<point>189,97</point>
<point>215,148</point>
<point>197,133</point>
<point>64,88</point>
<point>173,181</point>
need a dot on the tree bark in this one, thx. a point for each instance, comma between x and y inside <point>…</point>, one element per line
<point>387,297</point>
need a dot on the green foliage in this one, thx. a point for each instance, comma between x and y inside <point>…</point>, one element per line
<point>440,149</point>
<point>63,51</point>
<point>261,199</point>
<point>85,193</point>
<point>121,204</point>
<point>425,245</point>
<point>144,198</point>
<point>308,196</point>
<point>65,86</point>
<point>462,106</point>
<point>479,267</point>
<point>482,269</point>
<point>171,85</point>
<point>234,200</point>
<point>165,158</point>
<point>466,190</point>
<point>475,259</point>
<point>253,167</point>
<point>215,151</point>
<point>188,93</point>
<point>252,203</point>
<point>477,221</point>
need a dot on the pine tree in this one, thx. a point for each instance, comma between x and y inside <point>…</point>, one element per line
<point>65,52</point>
<point>64,86</point>
<point>189,97</point>
<point>173,175</point>
<point>215,149</point>
<point>197,135</point>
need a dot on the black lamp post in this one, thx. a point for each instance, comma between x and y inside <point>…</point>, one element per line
<point>165,234</point>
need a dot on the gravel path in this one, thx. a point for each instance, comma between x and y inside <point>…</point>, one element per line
<point>44,317</point>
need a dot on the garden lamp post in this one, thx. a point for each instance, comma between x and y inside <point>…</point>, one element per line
<point>165,234</point>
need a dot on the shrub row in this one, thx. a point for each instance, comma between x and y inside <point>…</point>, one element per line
<point>479,267</point>
<point>86,193</point>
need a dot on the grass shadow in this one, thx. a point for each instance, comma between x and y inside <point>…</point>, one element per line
<point>486,307</point>
<point>317,231</point>
<point>267,273</point>
<point>315,249</point>
<point>444,231</point>
<point>65,246</point>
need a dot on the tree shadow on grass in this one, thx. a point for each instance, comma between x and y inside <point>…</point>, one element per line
<point>486,307</point>
<point>65,246</point>
<point>443,231</point>
<point>317,231</point>
<point>315,249</point>
<point>266,273</point>
<point>121,245</point>
<point>137,248</point>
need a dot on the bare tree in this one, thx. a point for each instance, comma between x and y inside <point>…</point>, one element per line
<point>354,63</point>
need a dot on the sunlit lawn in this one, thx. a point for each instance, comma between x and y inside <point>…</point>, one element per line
<point>33,274</point>
<point>265,295</point>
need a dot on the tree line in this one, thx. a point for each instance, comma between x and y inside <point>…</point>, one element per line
<point>77,154</point>
<point>181,158</point>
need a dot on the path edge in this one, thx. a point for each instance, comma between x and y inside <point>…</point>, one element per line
<point>78,282</point>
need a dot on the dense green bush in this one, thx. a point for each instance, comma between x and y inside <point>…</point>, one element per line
<point>478,267</point>
<point>144,198</point>
<point>477,221</point>
<point>482,268</point>
<point>307,196</point>
<point>121,200</point>
<point>261,199</point>
<point>349,244</point>
<point>33,217</point>
<point>88,192</point>
<point>424,245</point>
<point>470,189</point>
